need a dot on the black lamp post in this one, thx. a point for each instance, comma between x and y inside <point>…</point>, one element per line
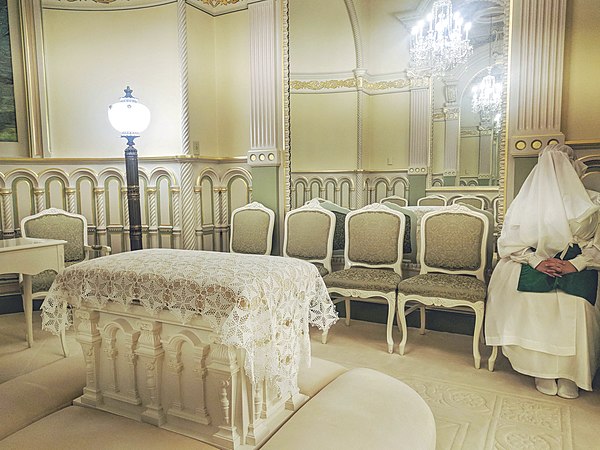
<point>130,118</point>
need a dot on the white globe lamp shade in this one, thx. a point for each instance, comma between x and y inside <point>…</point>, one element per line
<point>128,116</point>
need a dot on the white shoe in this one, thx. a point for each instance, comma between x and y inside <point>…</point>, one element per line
<point>567,388</point>
<point>546,386</point>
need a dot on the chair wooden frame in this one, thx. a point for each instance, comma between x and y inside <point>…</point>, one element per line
<point>312,206</point>
<point>472,200</point>
<point>395,200</point>
<point>369,296</point>
<point>254,206</point>
<point>478,307</point>
<point>412,256</point>
<point>88,249</point>
<point>334,208</point>
<point>437,200</point>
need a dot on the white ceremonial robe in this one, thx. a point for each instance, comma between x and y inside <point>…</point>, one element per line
<point>551,334</point>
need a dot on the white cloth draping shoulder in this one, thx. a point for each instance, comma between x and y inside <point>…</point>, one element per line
<point>551,202</point>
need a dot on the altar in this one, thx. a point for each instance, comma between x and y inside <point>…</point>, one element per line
<point>206,344</point>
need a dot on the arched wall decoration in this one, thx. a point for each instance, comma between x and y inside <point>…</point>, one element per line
<point>100,194</point>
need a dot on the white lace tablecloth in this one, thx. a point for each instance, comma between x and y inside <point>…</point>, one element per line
<point>262,304</point>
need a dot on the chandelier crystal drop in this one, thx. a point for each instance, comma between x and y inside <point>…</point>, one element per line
<point>441,45</point>
<point>487,97</point>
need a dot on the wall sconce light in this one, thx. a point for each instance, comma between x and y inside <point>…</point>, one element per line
<point>130,118</point>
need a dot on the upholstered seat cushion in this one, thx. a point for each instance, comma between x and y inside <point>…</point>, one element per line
<point>364,278</point>
<point>457,287</point>
<point>43,280</point>
<point>321,268</point>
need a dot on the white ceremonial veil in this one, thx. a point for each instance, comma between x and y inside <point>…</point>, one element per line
<point>552,198</point>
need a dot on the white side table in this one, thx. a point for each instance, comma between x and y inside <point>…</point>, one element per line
<point>30,256</point>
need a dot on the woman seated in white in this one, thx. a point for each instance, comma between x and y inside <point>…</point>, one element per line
<point>541,305</point>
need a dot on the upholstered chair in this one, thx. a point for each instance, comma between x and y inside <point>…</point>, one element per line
<point>409,245</point>
<point>57,224</point>
<point>373,258</point>
<point>308,235</point>
<point>395,200</point>
<point>472,200</point>
<point>496,213</point>
<point>432,200</point>
<point>252,229</point>
<point>340,219</point>
<point>454,258</point>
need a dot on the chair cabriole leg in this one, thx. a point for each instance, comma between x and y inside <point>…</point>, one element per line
<point>391,298</point>
<point>479,310</point>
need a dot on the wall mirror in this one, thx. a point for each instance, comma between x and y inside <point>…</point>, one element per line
<point>469,103</point>
<point>352,113</point>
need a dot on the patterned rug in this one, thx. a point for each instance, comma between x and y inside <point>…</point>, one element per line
<point>469,418</point>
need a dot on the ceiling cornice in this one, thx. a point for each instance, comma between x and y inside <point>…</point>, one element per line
<point>212,7</point>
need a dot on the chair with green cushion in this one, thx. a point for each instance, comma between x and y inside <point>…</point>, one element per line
<point>373,258</point>
<point>57,224</point>
<point>252,229</point>
<point>471,200</point>
<point>432,200</point>
<point>454,259</point>
<point>308,235</point>
<point>395,200</point>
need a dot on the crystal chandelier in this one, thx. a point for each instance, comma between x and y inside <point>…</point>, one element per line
<point>487,97</point>
<point>445,43</point>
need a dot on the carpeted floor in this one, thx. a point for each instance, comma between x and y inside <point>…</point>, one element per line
<point>474,409</point>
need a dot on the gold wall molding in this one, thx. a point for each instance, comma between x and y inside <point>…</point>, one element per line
<point>215,3</point>
<point>102,5</point>
<point>319,85</point>
<point>366,83</point>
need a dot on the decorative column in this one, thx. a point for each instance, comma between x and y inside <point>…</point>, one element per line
<point>90,340</point>
<point>71,203</point>
<point>452,136</point>
<point>35,84</point>
<point>265,102</point>
<point>419,137</point>
<point>199,230</point>
<point>101,216</point>
<point>359,200</point>
<point>176,196</point>
<point>486,147</point>
<point>40,201</point>
<point>8,227</point>
<point>538,34</point>
<point>125,204</point>
<point>223,366</point>
<point>151,354</point>
<point>153,217</point>
<point>187,172</point>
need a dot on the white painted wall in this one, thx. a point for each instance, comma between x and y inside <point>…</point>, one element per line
<point>90,57</point>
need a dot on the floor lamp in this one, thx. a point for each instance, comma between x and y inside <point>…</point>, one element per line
<point>130,118</point>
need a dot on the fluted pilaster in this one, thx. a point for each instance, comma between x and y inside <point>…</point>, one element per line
<point>537,76</point>
<point>420,120</point>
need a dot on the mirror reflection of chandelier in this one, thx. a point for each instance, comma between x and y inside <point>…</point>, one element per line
<point>487,97</point>
<point>443,45</point>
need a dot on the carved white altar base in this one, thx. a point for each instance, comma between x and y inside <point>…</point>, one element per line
<point>156,370</point>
